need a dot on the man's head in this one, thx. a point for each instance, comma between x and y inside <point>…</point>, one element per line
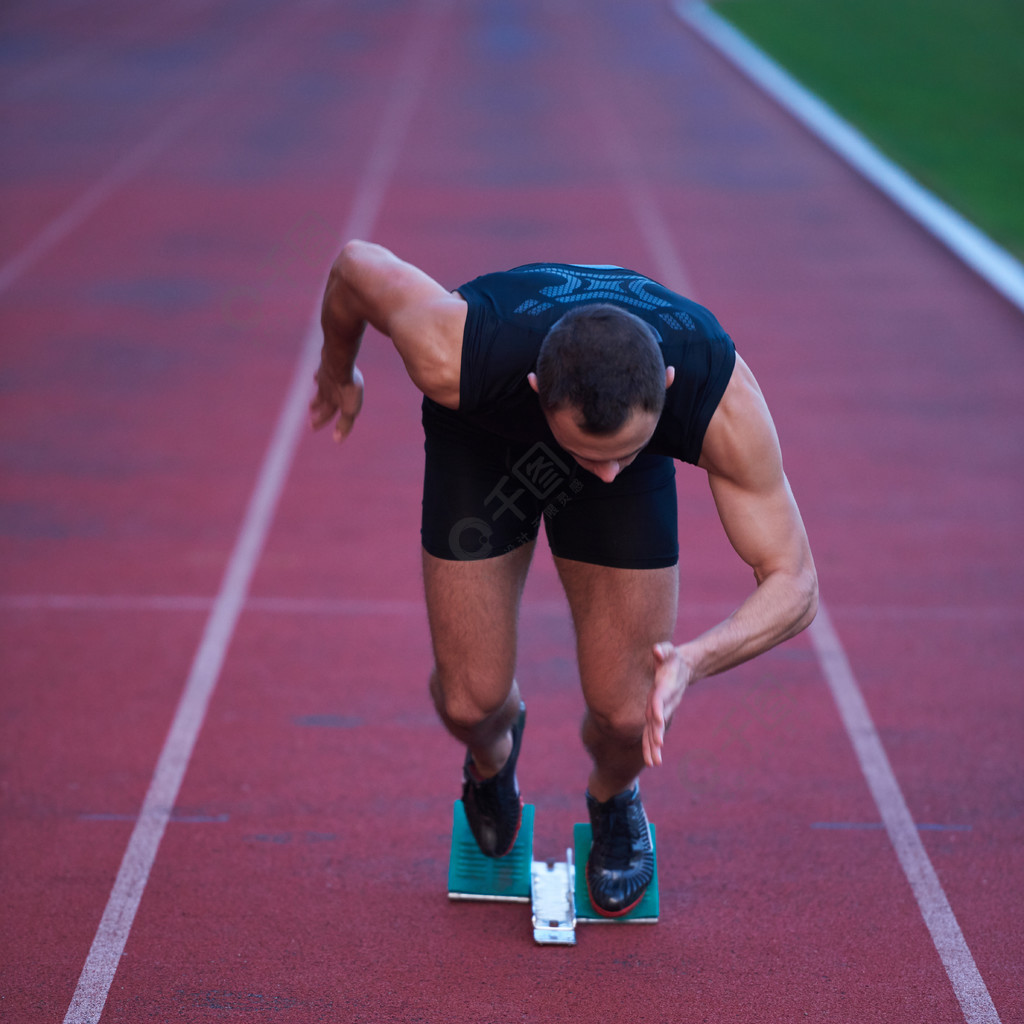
<point>601,382</point>
<point>604,363</point>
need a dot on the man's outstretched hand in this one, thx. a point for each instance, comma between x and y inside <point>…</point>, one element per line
<point>672,675</point>
<point>335,399</point>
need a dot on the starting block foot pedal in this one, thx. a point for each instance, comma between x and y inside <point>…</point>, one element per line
<point>554,902</point>
<point>645,912</point>
<point>472,876</point>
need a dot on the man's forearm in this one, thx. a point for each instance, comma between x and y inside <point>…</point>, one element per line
<point>782,605</point>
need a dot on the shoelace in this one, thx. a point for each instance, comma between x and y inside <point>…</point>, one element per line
<point>489,796</point>
<point>620,831</point>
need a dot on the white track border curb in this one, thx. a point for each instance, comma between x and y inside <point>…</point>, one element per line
<point>1001,270</point>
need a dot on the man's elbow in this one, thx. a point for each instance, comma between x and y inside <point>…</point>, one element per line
<point>348,264</point>
<point>797,597</point>
<point>807,590</point>
<point>355,250</point>
<point>344,293</point>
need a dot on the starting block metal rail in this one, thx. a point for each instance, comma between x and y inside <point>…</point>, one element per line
<point>555,891</point>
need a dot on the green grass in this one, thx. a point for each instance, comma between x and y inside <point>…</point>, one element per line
<point>937,85</point>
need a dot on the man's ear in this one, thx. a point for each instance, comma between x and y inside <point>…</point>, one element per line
<point>670,375</point>
<point>532,378</point>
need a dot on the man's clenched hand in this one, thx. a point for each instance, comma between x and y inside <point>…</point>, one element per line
<point>334,398</point>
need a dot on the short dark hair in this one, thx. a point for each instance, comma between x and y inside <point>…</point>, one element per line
<point>603,362</point>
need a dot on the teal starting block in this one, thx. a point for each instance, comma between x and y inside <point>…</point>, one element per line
<point>556,891</point>
<point>472,876</point>
<point>645,912</point>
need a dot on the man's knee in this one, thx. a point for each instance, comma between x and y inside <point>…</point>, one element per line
<point>467,703</point>
<point>622,725</point>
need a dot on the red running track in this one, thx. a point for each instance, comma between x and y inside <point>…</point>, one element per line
<point>175,181</point>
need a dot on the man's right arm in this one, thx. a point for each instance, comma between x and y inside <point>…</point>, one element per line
<point>759,513</point>
<point>370,285</point>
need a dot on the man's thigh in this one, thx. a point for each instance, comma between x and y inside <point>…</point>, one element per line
<point>619,615</point>
<point>473,607</point>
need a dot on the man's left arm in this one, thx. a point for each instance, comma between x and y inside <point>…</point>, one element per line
<point>744,464</point>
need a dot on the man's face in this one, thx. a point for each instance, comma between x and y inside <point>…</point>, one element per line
<point>604,455</point>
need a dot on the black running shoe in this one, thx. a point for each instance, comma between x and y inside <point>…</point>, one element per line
<point>494,809</point>
<point>621,862</point>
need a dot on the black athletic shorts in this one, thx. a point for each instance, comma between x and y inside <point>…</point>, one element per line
<point>485,496</point>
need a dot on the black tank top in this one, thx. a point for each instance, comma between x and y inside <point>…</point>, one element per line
<point>511,312</point>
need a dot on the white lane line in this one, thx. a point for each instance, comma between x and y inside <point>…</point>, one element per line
<point>105,602</point>
<point>973,247</point>
<point>279,605</point>
<point>254,54</point>
<point>389,606</point>
<point>108,945</point>
<point>133,31</point>
<point>963,973</point>
<point>970,988</point>
<point>123,171</point>
<point>194,603</point>
<point>624,156</point>
<point>626,160</point>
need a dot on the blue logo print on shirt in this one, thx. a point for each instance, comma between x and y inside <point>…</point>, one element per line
<point>622,288</point>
